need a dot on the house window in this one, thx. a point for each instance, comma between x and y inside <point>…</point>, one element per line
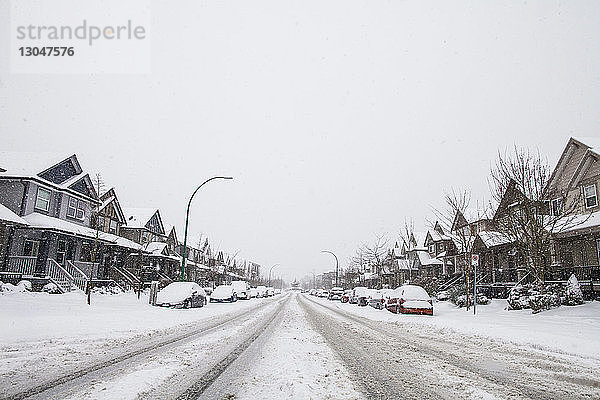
<point>432,248</point>
<point>31,248</point>
<point>113,226</point>
<point>76,208</point>
<point>100,223</point>
<point>42,200</point>
<point>589,192</point>
<point>556,207</point>
<point>61,250</point>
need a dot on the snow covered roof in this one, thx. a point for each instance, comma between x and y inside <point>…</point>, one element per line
<point>155,247</point>
<point>405,265</point>
<point>138,217</point>
<point>426,259</point>
<point>592,142</point>
<point>7,215</point>
<point>31,165</point>
<point>41,221</point>
<point>438,237</point>
<point>577,223</point>
<point>493,238</point>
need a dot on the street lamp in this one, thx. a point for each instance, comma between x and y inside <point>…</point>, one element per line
<point>187,217</point>
<point>271,269</point>
<point>336,265</point>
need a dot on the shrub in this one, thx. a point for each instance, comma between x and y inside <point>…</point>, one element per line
<point>573,294</point>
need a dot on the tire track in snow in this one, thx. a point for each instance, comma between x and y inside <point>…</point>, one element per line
<point>151,347</point>
<point>506,371</point>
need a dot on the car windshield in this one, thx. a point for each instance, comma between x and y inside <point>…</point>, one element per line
<point>223,290</point>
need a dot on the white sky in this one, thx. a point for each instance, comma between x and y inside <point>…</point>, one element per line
<point>338,119</point>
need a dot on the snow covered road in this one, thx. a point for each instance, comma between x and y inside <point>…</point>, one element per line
<point>291,346</point>
<point>395,361</point>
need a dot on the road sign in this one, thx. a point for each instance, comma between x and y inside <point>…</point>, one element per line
<point>475,260</point>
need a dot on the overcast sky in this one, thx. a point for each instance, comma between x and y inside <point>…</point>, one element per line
<point>337,119</point>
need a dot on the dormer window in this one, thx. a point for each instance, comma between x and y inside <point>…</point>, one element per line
<point>42,200</point>
<point>432,248</point>
<point>76,208</point>
<point>589,193</point>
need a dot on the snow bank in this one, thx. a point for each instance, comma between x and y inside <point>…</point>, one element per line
<point>573,329</point>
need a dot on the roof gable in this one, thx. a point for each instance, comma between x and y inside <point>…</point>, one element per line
<point>110,199</point>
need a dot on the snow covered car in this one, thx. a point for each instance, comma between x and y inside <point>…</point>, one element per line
<point>379,299</point>
<point>346,296</point>
<point>335,293</point>
<point>277,291</point>
<point>253,292</point>
<point>270,291</point>
<point>181,295</point>
<point>443,296</point>
<point>410,299</point>
<point>223,293</point>
<point>242,289</point>
<point>365,296</point>
<point>356,294</point>
<point>262,291</point>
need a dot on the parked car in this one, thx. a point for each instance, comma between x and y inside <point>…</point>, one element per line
<point>223,293</point>
<point>181,295</point>
<point>277,291</point>
<point>262,291</point>
<point>208,290</point>
<point>253,292</point>
<point>379,298</point>
<point>443,295</point>
<point>322,293</point>
<point>270,291</point>
<point>410,299</point>
<point>335,293</point>
<point>365,296</point>
<point>242,289</point>
<point>356,294</point>
<point>312,292</point>
<point>346,296</point>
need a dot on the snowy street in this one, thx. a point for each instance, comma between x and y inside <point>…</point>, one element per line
<point>289,346</point>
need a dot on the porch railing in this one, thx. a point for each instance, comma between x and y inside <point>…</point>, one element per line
<point>80,280</point>
<point>22,264</point>
<point>86,268</point>
<point>59,276</point>
<point>130,280</point>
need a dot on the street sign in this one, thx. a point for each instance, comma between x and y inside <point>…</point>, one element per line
<point>475,260</point>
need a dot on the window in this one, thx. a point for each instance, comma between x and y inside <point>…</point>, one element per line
<point>76,208</point>
<point>61,250</point>
<point>113,226</point>
<point>100,223</point>
<point>556,207</point>
<point>42,200</point>
<point>432,248</point>
<point>31,248</point>
<point>589,192</point>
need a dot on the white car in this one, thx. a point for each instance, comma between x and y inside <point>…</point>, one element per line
<point>253,292</point>
<point>270,291</point>
<point>181,295</point>
<point>223,293</point>
<point>262,291</point>
<point>277,291</point>
<point>242,289</point>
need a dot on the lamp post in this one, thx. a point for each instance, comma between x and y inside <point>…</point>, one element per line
<point>336,265</point>
<point>271,269</point>
<point>187,218</point>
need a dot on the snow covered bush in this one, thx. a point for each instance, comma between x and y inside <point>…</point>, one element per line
<point>537,297</point>
<point>25,286</point>
<point>51,288</point>
<point>573,294</point>
<point>8,288</point>
<point>107,290</point>
<point>518,298</point>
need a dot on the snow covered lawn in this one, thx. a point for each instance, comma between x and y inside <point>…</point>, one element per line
<point>570,330</point>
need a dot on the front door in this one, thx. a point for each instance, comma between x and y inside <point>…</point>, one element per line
<point>42,256</point>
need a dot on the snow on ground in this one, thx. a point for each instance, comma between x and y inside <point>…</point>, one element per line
<point>59,333</point>
<point>566,329</point>
<point>294,362</point>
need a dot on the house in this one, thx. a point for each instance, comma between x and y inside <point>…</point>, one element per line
<point>441,247</point>
<point>56,199</point>
<point>572,192</point>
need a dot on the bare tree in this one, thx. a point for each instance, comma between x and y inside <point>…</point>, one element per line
<point>455,215</point>
<point>374,253</point>
<point>99,186</point>
<point>519,185</point>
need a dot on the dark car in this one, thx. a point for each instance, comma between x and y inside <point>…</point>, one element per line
<point>181,295</point>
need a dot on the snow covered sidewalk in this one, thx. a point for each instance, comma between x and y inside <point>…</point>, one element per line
<point>568,330</point>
